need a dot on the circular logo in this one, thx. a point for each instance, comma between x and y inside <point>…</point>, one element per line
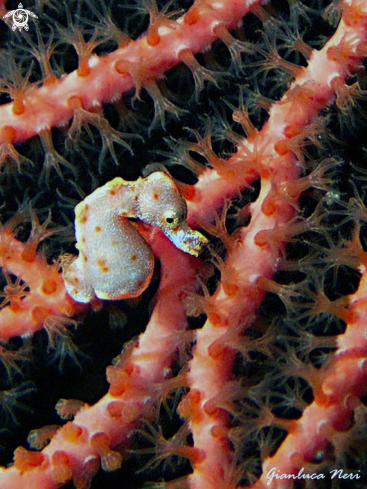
<point>20,19</point>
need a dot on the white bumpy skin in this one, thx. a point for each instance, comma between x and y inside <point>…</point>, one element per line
<point>114,261</point>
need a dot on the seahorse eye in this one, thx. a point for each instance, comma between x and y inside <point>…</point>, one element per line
<point>171,219</point>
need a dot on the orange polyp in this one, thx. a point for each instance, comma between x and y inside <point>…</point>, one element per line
<point>265,173</point>
<point>50,81</point>
<point>230,174</point>
<point>332,53</point>
<point>215,319</point>
<point>340,54</point>
<point>153,38</point>
<point>189,405</point>
<point>115,409</point>
<point>192,16</point>
<point>216,350</point>
<point>231,289</point>
<point>118,384</point>
<point>196,455</point>
<point>194,396</point>
<point>210,408</point>
<point>18,107</point>
<point>281,147</point>
<point>292,130</point>
<point>8,134</point>
<point>74,102</point>
<point>123,410</point>
<point>29,254</point>
<point>61,472</point>
<point>269,208</point>
<point>351,14</point>
<point>221,435</point>
<point>350,316</point>
<point>14,306</point>
<point>25,460</point>
<point>49,287</point>
<point>40,314</point>
<point>72,432</point>
<point>83,70</point>
<point>110,459</point>
<point>121,67</point>
<point>219,432</point>
<point>188,192</point>
<point>261,239</point>
<point>130,368</point>
<point>100,440</point>
<point>337,82</point>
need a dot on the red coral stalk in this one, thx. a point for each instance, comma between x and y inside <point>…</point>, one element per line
<point>136,387</point>
<point>27,311</point>
<point>234,304</point>
<point>139,64</point>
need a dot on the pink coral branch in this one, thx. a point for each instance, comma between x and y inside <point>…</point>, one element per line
<point>25,311</point>
<point>342,381</point>
<point>232,308</point>
<point>140,64</point>
<point>136,384</point>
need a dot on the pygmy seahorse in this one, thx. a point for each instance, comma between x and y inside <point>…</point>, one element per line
<point>115,262</point>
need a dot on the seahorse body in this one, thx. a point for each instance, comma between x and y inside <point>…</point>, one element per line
<point>114,261</point>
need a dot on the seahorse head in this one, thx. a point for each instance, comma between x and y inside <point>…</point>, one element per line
<point>161,205</point>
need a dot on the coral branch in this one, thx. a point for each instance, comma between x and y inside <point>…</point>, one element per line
<point>140,64</point>
<point>136,381</point>
<point>341,383</point>
<point>234,304</point>
<point>43,294</point>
